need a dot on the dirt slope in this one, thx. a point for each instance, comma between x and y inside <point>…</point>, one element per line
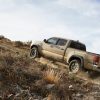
<point>22,78</point>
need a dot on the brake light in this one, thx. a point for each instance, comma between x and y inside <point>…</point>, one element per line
<point>96,59</point>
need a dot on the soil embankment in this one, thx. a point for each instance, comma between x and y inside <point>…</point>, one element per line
<point>23,78</point>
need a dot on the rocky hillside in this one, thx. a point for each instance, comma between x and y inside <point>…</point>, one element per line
<point>23,78</point>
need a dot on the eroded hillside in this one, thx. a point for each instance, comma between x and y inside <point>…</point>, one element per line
<point>23,78</point>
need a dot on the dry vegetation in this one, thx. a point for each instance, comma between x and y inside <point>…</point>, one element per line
<point>52,76</point>
<point>20,44</point>
<point>22,78</point>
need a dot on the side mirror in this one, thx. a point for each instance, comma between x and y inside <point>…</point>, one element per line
<point>45,40</point>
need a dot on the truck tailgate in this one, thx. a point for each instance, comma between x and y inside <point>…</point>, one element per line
<point>92,57</point>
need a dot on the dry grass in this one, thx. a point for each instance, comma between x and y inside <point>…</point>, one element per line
<point>11,67</point>
<point>22,78</point>
<point>49,83</point>
<point>17,79</point>
<point>52,97</point>
<point>19,44</point>
<point>52,76</point>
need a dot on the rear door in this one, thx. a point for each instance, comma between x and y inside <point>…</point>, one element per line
<point>61,48</point>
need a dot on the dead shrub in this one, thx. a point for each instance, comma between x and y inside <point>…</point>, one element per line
<point>19,44</point>
<point>52,76</point>
<point>6,60</point>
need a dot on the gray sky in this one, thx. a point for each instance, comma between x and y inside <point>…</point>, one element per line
<point>38,19</point>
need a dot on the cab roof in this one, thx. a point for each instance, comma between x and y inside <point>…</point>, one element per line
<point>70,40</point>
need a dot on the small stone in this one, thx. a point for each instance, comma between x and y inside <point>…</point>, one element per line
<point>70,86</point>
<point>49,86</point>
<point>79,95</point>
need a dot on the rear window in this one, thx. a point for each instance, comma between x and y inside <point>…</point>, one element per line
<point>78,46</point>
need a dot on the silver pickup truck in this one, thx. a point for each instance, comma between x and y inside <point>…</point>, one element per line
<point>73,53</point>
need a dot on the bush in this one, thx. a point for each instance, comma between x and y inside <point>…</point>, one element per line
<point>6,60</point>
<point>1,37</point>
<point>19,44</point>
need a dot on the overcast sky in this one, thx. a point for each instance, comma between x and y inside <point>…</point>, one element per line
<point>38,19</point>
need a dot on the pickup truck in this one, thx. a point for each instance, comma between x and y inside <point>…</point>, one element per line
<point>72,53</point>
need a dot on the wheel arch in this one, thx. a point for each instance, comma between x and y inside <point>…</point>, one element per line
<point>77,57</point>
<point>34,46</point>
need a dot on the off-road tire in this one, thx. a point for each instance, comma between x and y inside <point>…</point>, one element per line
<point>34,52</point>
<point>75,66</point>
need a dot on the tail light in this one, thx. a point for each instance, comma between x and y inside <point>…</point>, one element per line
<point>96,59</point>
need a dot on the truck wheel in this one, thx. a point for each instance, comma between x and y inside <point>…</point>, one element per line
<point>74,66</point>
<point>34,52</point>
